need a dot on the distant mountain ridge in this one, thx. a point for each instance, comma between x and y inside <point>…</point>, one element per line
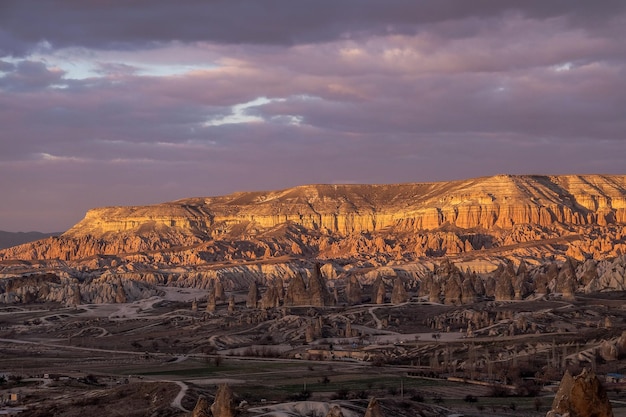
<point>8,239</point>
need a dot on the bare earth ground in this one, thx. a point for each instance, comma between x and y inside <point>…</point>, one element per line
<point>154,357</point>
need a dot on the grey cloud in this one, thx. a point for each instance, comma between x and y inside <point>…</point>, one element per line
<point>29,75</point>
<point>477,89</point>
<point>115,69</point>
<point>6,66</point>
<point>133,24</point>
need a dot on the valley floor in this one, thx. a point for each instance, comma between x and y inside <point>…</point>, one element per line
<point>156,356</point>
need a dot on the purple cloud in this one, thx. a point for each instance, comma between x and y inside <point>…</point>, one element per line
<point>132,24</point>
<point>106,103</point>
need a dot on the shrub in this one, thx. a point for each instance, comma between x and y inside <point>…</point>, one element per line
<point>341,394</point>
<point>362,395</point>
<point>417,396</point>
<point>499,391</point>
<point>300,396</point>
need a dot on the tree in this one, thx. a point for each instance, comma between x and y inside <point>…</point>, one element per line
<point>218,360</point>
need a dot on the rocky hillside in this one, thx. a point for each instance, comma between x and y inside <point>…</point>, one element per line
<point>428,219</point>
<point>259,236</point>
<point>488,203</point>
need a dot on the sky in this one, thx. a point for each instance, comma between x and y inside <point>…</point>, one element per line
<point>129,102</point>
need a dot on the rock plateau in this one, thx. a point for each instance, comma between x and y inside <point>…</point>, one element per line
<point>360,233</point>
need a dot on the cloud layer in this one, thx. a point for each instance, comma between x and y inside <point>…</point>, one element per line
<point>131,102</point>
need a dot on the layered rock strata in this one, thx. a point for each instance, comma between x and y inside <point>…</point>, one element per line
<point>339,218</point>
<point>500,201</point>
<point>233,241</point>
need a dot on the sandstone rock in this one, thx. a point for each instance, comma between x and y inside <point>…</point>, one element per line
<point>328,271</point>
<point>621,345</point>
<point>502,202</point>
<point>354,293</point>
<point>399,294</point>
<point>504,284</point>
<point>219,290</point>
<point>612,273</point>
<point>373,409</point>
<point>581,396</point>
<point>318,293</point>
<point>541,284</point>
<point>552,274</point>
<point>589,272</point>
<point>566,280</point>
<point>378,291</point>
<point>296,292</point>
<point>425,283</point>
<point>309,333</point>
<point>478,284</point>
<point>335,411</point>
<point>468,292</point>
<point>434,294</point>
<point>372,226</point>
<point>211,302</point>
<point>202,408</point>
<point>490,285</point>
<point>608,351</point>
<point>452,289</point>
<point>271,297</point>
<point>223,406</point>
<point>280,288</point>
<point>74,298</point>
<point>120,295</point>
<point>253,295</point>
<point>231,303</point>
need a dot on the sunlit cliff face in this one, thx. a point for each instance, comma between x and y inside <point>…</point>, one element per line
<point>491,202</point>
<point>532,216</point>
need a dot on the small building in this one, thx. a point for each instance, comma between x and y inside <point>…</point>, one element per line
<point>13,397</point>
<point>614,378</point>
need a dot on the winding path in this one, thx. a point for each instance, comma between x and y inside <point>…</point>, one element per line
<point>177,402</point>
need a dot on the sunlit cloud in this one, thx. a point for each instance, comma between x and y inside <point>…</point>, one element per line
<point>395,93</point>
<point>43,156</point>
<point>240,112</point>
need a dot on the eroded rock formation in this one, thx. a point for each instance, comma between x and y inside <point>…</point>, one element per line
<point>581,396</point>
<point>335,411</point>
<point>398,293</point>
<point>253,296</point>
<point>271,297</point>
<point>202,408</point>
<point>378,291</point>
<point>354,293</point>
<point>223,406</point>
<point>478,221</point>
<point>373,409</point>
<point>314,294</point>
<point>502,202</point>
